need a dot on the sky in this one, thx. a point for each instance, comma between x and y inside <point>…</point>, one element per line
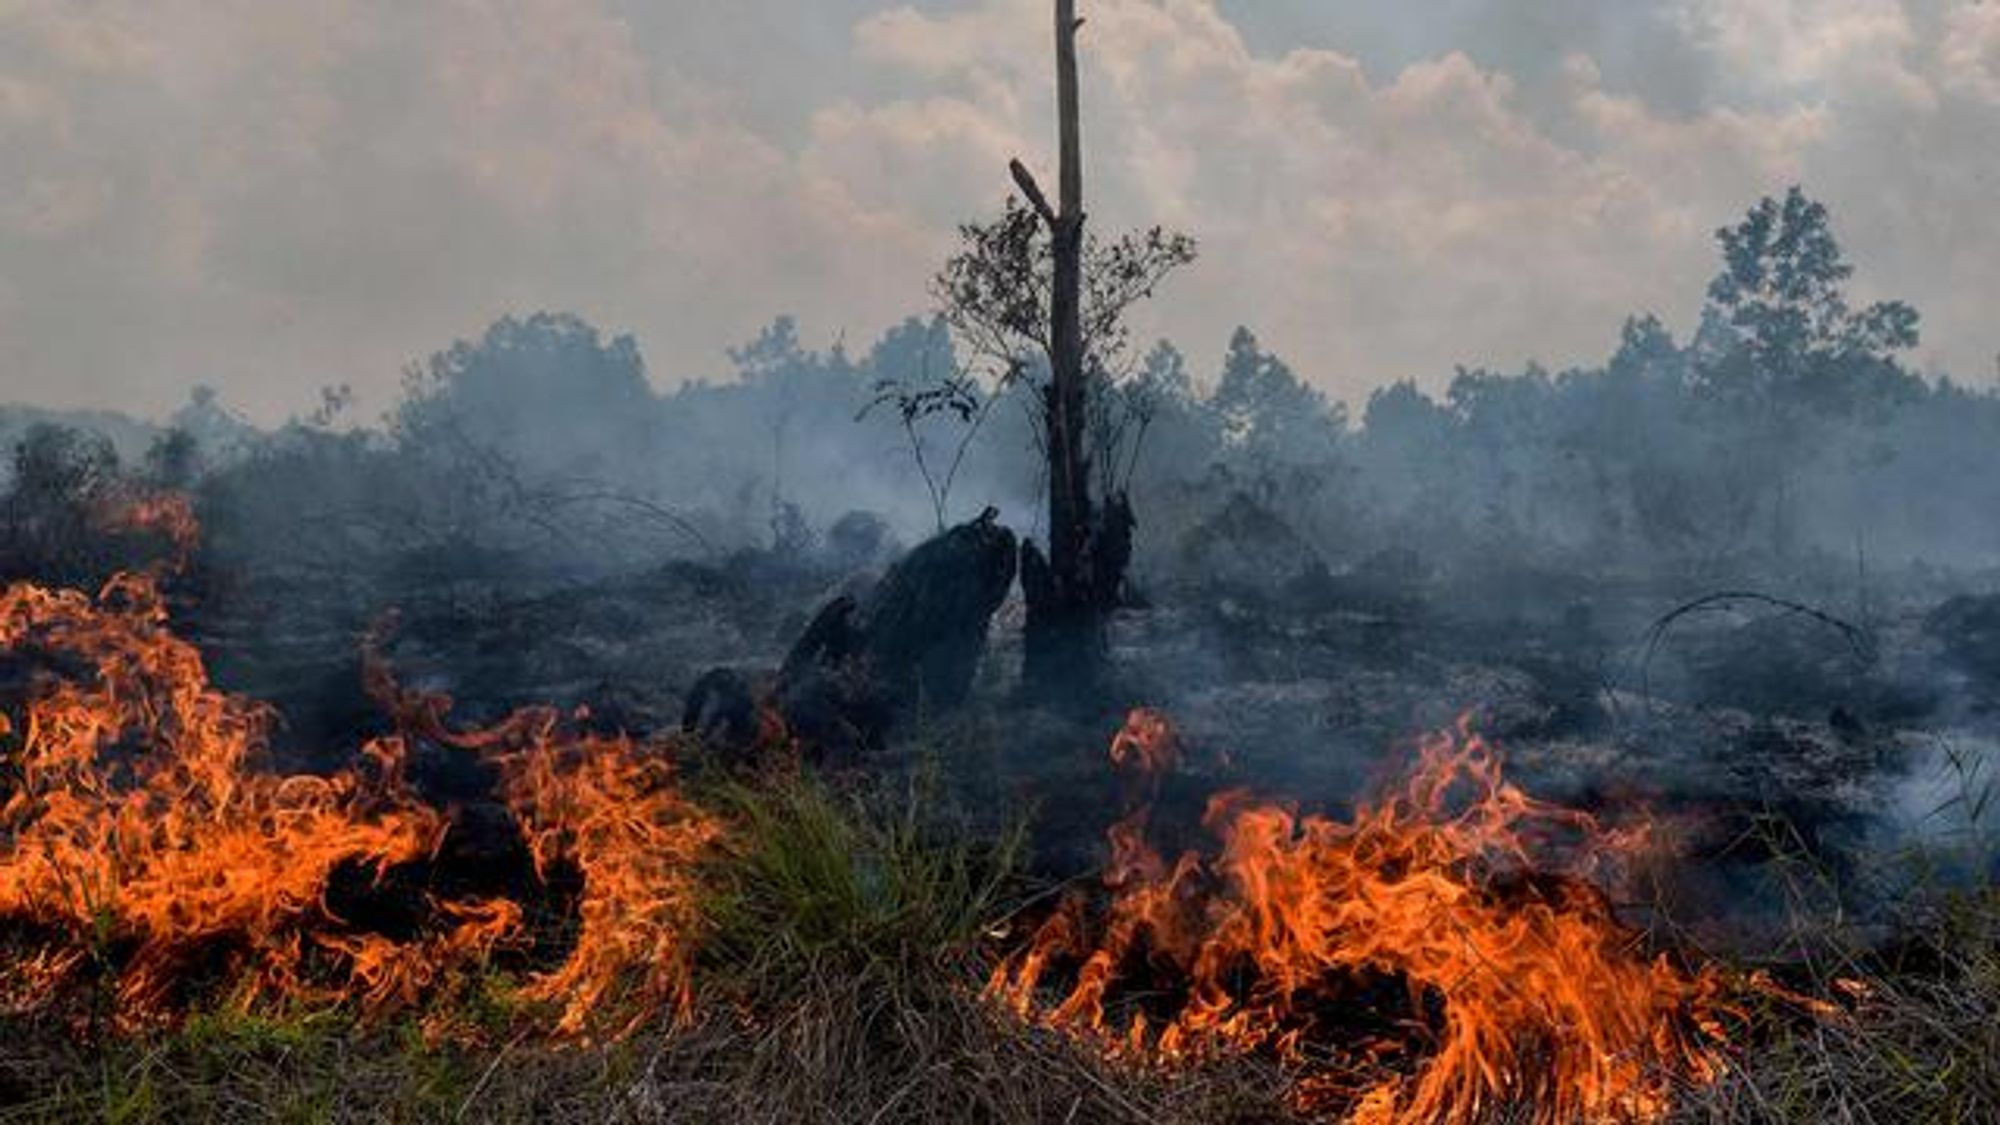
<point>272,197</point>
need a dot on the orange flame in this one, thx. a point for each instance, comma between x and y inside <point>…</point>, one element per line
<point>141,828</point>
<point>166,514</point>
<point>1145,744</point>
<point>607,806</point>
<point>137,817</point>
<point>1518,985</point>
<point>1143,751</point>
<point>1444,954</point>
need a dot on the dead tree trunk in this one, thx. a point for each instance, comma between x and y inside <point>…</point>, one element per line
<point>1066,591</point>
<point>1069,470</point>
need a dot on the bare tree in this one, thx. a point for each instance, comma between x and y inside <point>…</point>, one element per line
<point>954,396</point>
<point>1029,292</point>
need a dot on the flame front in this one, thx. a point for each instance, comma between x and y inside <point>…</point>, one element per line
<point>610,808</point>
<point>167,514</point>
<point>137,817</point>
<point>143,839</point>
<point>1473,903</point>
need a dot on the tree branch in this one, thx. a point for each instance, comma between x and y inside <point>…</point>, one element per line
<point>1025,180</point>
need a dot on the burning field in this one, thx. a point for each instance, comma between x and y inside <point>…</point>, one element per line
<point>1443,955</point>
<point>1378,685</point>
<point>766,942</point>
<point>150,846</point>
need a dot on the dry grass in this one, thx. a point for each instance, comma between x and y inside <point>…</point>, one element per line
<point>839,1054</point>
<point>838,984</point>
<point>1920,1042</point>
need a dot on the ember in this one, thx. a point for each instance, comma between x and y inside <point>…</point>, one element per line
<point>167,514</point>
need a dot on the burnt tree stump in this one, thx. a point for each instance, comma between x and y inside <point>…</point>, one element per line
<point>923,629</point>
<point>913,643</point>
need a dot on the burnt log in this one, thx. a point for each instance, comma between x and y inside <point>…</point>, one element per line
<point>912,644</point>
<point>830,639</point>
<point>923,629</point>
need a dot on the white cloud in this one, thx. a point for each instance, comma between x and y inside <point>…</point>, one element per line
<point>270,197</point>
<point>1369,230</point>
<point>1820,47</point>
<point>1395,227</point>
<point>1970,52</point>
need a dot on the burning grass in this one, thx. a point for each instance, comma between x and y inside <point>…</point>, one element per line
<point>150,850</point>
<point>846,929</point>
<point>811,1009</point>
<point>832,987</point>
<point>789,948</point>
<point>1443,956</point>
<point>137,824</point>
<point>1915,1036</point>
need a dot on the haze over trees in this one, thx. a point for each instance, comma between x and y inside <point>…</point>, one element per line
<point>1785,432</point>
<point>1786,428</point>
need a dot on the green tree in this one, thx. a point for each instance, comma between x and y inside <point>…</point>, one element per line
<point>545,395</point>
<point>62,480</point>
<point>1781,350</point>
<point>173,459</point>
<point>1267,411</point>
<point>1779,324</point>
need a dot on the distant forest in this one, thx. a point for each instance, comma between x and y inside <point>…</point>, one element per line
<point>1785,435</point>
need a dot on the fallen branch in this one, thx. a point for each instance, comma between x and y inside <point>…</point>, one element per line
<point>1857,638</point>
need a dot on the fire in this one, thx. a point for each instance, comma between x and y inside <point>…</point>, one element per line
<point>1145,744</point>
<point>144,839</point>
<point>167,514</point>
<point>1446,953</point>
<point>611,812</point>
<point>137,817</point>
<point>607,806</point>
<point>1454,907</point>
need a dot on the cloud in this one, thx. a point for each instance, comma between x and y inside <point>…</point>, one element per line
<point>1970,53</point>
<point>1833,48</point>
<point>1370,230</point>
<point>1383,227</point>
<point>274,197</point>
